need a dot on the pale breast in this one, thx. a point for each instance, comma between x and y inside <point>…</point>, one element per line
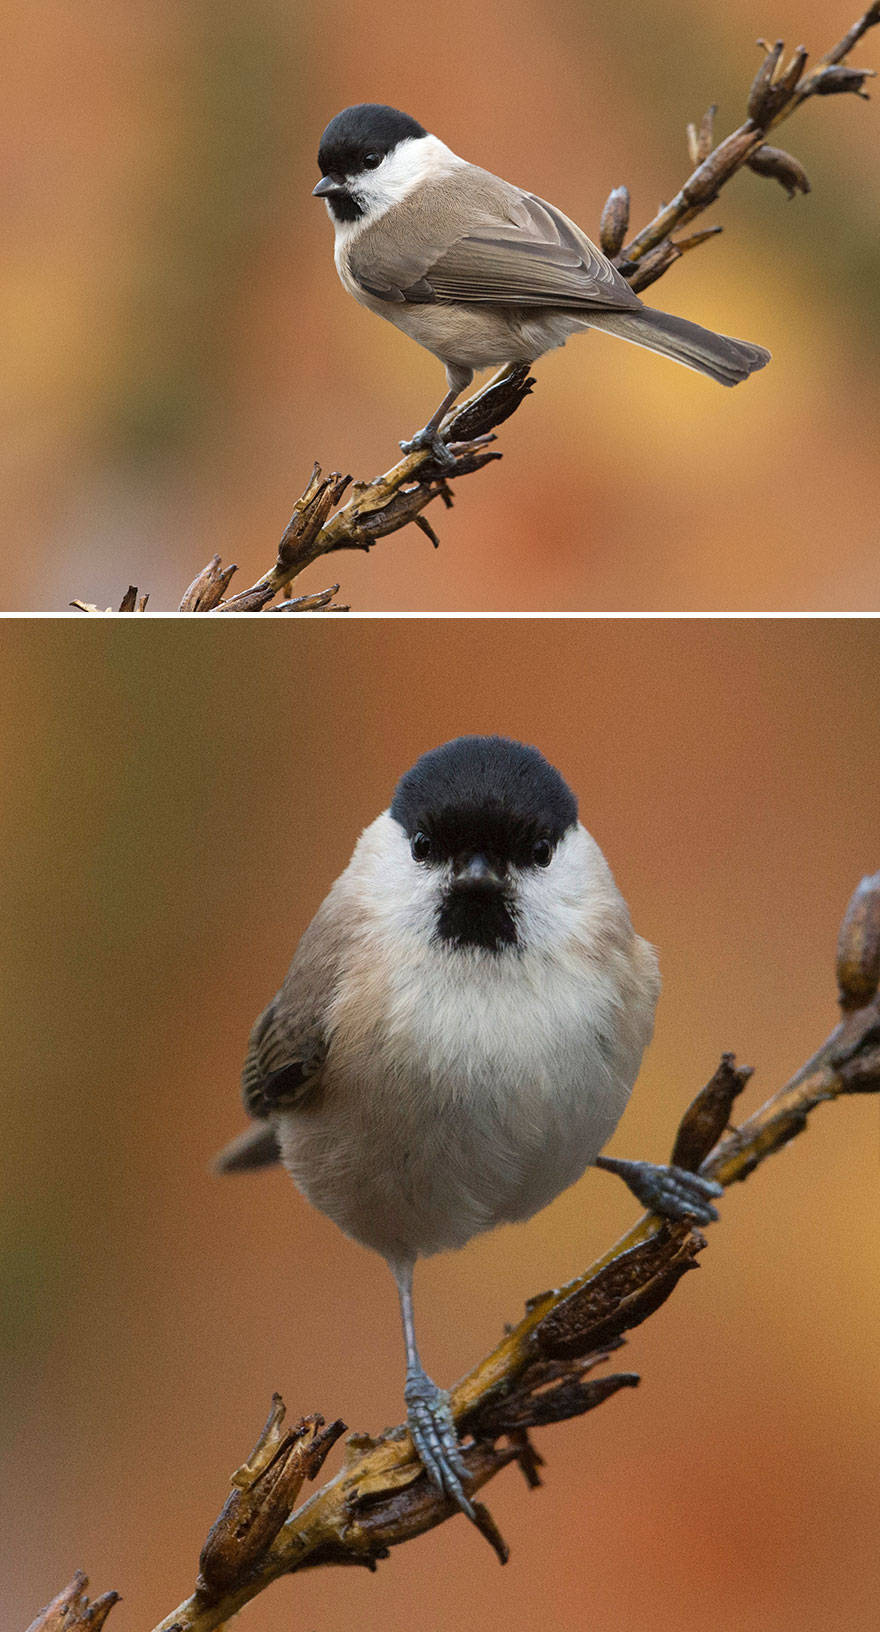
<point>452,1104</point>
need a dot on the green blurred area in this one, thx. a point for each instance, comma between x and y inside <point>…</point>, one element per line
<point>181,351</point>
<point>213,201</point>
<point>175,805</point>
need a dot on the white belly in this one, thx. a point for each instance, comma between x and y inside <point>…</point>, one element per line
<point>449,1105</point>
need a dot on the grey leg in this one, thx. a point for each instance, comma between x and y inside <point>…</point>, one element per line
<point>429,1418</point>
<point>671,1191</point>
<point>429,436</point>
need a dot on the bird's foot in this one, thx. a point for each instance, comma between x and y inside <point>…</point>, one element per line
<point>432,442</point>
<point>670,1191</point>
<point>430,1423</point>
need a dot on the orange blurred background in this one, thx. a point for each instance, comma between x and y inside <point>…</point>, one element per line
<point>179,350</point>
<point>175,807</point>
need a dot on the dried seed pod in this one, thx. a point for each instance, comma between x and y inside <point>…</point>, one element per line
<point>831,81</point>
<point>771,91</point>
<point>264,1492</point>
<point>706,133</point>
<point>320,601</point>
<point>309,515</point>
<point>773,162</point>
<point>653,265</point>
<point>788,80</point>
<point>207,590</point>
<point>500,398</point>
<point>700,139</point>
<point>70,1610</point>
<point>615,220</point>
<point>861,1075</point>
<point>568,1398</point>
<point>621,1295</point>
<point>708,1115</point>
<point>858,946</point>
<point>694,239</point>
<point>703,185</point>
<point>762,101</point>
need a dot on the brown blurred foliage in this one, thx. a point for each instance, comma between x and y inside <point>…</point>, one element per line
<point>179,350</point>
<point>173,811</point>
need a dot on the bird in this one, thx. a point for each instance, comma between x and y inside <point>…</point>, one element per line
<point>480,272</point>
<point>458,1034</point>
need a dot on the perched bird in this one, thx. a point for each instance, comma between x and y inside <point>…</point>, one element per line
<point>458,1033</point>
<point>478,271</point>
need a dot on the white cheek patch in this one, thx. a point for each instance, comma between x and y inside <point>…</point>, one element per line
<point>399,895</point>
<point>557,905</point>
<point>410,165</point>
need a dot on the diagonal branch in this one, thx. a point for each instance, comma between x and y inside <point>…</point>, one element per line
<point>540,1372</point>
<point>399,497</point>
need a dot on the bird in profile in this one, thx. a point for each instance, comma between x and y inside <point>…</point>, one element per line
<point>479,272</point>
<point>458,1033</point>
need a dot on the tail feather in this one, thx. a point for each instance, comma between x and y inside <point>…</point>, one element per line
<point>256,1147</point>
<point>723,359</point>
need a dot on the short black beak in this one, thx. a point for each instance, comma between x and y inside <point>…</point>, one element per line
<point>328,185</point>
<point>476,873</point>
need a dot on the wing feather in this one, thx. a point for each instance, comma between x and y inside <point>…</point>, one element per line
<point>285,1052</point>
<point>291,1039</point>
<point>544,262</point>
<point>523,252</point>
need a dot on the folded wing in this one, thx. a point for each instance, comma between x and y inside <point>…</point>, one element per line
<point>289,1043</point>
<point>523,252</point>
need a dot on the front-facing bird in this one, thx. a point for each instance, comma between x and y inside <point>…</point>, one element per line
<point>459,1031</point>
<point>478,271</point>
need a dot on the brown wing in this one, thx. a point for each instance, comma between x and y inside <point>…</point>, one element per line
<point>284,1057</point>
<point>524,252</point>
<point>290,1041</point>
<point>285,1052</point>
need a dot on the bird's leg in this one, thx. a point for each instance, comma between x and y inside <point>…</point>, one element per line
<point>428,1416</point>
<point>429,436</point>
<point>671,1191</point>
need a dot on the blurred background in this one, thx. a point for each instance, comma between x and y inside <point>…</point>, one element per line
<point>168,833</point>
<point>179,350</point>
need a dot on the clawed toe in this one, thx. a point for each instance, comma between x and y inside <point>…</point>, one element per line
<point>431,442</point>
<point>430,1423</point>
<point>671,1191</point>
<point>680,1194</point>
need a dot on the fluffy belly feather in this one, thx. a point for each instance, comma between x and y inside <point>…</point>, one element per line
<point>443,1111</point>
<point>482,336</point>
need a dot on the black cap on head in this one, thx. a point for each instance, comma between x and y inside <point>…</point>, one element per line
<point>368,127</point>
<point>487,794</point>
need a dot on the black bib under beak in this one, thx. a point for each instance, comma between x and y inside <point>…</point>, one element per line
<point>476,910</point>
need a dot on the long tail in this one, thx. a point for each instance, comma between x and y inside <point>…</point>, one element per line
<point>725,360</point>
<point>256,1147</point>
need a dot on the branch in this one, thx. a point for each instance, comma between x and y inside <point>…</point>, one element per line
<point>400,496</point>
<point>539,1373</point>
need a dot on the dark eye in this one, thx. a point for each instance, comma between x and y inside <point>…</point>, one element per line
<point>372,161</point>
<point>421,847</point>
<point>542,852</point>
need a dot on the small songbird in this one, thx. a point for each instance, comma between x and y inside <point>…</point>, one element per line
<point>478,271</point>
<point>458,1033</point>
